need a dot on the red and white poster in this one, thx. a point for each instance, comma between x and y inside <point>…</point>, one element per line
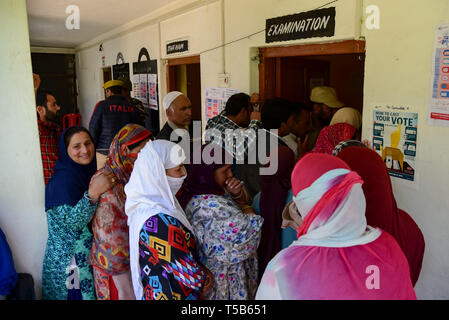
<point>216,100</point>
<point>152,91</point>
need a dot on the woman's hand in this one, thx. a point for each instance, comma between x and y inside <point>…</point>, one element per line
<point>248,210</point>
<point>208,281</point>
<point>101,183</point>
<point>124,286</point>
<point>234,186</point>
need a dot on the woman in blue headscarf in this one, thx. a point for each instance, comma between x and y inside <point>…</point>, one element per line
<point>70,202</point>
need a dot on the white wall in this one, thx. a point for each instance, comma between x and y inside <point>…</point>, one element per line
<point>191,24</point>
<point>202,27</point>
<point>398,72</point>
<point>22,212</point>
<point>243,18</point>
<point>89,64</point>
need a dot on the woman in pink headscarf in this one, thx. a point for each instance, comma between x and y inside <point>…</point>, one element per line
<point>337,255</point>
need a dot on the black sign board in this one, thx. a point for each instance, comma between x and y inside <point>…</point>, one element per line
<point>120,70</point>
<point>148,66</point>
<point>178,46</point>
<point>310,24</point>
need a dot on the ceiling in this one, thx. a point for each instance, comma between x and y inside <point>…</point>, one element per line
<point>47,19</point>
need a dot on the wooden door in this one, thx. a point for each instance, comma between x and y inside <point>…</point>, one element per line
<point>193,80</point>
<point>278,70</point>
<point>194,89</point>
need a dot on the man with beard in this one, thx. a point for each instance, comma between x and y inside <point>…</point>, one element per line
<point>49,130</point>
<point>325,103</point>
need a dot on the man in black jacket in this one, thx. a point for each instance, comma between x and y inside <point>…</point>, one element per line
<point>109,116</point>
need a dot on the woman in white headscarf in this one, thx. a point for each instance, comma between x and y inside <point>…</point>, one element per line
<point>163,255</point>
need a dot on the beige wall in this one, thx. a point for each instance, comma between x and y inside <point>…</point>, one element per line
<point>22,213</point>
<point>398,72</point>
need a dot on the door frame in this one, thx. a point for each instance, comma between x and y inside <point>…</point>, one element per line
<point>270,60</point>
<point>170,72</point>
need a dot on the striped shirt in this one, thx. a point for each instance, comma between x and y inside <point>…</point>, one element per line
<point>234,139</point>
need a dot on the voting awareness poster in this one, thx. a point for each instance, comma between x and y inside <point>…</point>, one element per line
<point>152,91</point>
<point>216,100</point>
<point>136,86</point>
<point>394,138</point>
<point>439,102</point>
<point>144,89</point>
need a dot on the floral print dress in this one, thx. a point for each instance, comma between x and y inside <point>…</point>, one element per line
<point>228,240</point>
<point>69,240</point>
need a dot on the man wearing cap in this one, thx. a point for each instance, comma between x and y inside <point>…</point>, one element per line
<point>178,109</point>
<point>325,104</point>
<point>109,116</point>
<point>126,92</point>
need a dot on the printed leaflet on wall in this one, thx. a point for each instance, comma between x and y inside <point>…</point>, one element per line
<point>152,91</point>
<point>216,100</point>
<point>394,138</point>
<point>439,102</point>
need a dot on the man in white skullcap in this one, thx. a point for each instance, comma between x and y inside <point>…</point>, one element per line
<point>178,109</point>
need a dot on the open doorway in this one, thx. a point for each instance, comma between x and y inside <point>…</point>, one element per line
<point>57,74</point>
<point>292,72</point>
<point>107,75</point>
<point>184,75</point>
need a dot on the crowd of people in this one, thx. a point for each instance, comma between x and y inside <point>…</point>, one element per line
<point>131,214</point>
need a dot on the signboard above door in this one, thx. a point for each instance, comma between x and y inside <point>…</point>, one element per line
<point>177,46</point>
<point>310,24</point>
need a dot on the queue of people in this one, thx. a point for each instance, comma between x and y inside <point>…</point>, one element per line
<point>149,223</point>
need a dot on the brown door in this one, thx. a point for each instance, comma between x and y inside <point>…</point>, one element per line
<point>194,89</point>
<point>107,75</point>
<point>291,72</point>
<point>184,75</point>
<point>298,75</point>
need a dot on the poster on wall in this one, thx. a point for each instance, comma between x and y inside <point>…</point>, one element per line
<point>152,91</point>
<point>143,80</point>
<point>395,136</point>
<point>145,88</point>
<point>439,102</point>
<point>136,86</point>
<point>216,100</point>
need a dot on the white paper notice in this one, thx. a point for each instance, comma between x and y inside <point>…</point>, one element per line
<point>152,91</point>
<point>439,101</point>
<point>144,90</point>
<point>216,99</point>
<point>136,86</point>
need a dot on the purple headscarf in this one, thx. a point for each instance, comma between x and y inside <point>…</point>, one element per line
<point>200,177</point>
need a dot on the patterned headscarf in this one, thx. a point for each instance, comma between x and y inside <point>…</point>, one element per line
<point>119,163</point>
<point>331,136</point>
